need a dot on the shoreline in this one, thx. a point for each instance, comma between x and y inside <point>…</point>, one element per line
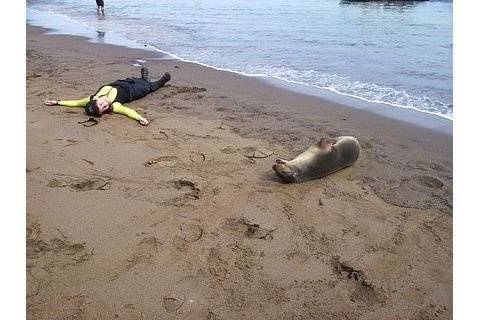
<point>410,115</point>
<point>176,220</point>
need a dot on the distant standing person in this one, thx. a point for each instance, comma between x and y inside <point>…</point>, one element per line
<point>100,6</point>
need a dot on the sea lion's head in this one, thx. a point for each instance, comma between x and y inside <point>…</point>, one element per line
<point>284,171</point>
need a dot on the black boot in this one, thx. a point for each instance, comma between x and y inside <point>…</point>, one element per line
<point>144,73</point>
<point>164,79</point>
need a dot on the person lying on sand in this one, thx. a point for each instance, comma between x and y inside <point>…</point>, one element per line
<point>110,97</point>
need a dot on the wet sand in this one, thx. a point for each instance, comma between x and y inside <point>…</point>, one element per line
<point>177,220</point>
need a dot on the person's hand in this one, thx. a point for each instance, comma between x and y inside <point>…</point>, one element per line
<point>144,122</point>
<point>50,102</point>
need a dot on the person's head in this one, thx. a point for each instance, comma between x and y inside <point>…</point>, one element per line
<point>97,107</point>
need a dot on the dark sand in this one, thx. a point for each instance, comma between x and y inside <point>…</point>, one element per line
<point>173,221</point>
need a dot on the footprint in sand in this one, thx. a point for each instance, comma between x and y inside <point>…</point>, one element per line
<point>33,76</point>
<point>297,256</point>
<point>69,142</point>
<point>197,157</point>
<point>30,169</point>
<point>229,150</point>
<point>429,181</point>
<point>144,253</point>
<point>167,161</point>
<point>190,89</point>
<point>189,188</point>
<point>172,303</point>
<point>66,307</point>
<point>37,279</point>
<point>175,90</point>
<point>425,165</point>
<point>248,229</point>
<point>80,184</point>
<point>421,192</point>
<point>37,248</point>
<point>189,232</point>
<point>362,290</point>
<point>93,184</point>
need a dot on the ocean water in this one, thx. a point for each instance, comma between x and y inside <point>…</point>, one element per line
<point>396,53</point>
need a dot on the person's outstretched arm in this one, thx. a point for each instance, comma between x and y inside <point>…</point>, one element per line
<point>121,109</point>
<point>68,103</point>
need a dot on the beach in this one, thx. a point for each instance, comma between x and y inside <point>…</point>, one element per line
<point>185,218</point>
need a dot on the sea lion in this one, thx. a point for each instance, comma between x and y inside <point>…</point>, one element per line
<point>319,160</point>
